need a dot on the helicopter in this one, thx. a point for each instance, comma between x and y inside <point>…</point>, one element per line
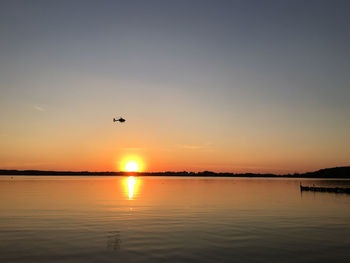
<point>120,119</point>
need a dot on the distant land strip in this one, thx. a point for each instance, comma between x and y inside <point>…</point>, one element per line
<point>336,172</point>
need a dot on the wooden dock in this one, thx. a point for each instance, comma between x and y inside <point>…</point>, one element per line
<point>344,190</point>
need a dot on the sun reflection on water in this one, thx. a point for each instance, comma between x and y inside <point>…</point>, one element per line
<point>131,186</point>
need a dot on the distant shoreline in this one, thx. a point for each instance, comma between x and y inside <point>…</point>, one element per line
<point>336,172</point>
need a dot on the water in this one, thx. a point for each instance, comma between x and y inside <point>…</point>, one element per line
<point>171,219</point>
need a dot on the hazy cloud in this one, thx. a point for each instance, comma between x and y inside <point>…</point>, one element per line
<point>191,147</point>
<point>203,146</point>
<point>38,108</point>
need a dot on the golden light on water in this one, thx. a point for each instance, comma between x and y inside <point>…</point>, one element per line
<point>131,163</point>
<point>131,186</point>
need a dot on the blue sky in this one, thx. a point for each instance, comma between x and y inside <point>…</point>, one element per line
<point>204,85</point>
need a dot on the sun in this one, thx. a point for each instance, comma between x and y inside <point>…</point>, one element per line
<point>131,166</point>
<point>131,163</point>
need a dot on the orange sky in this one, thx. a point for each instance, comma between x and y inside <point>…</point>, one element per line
<point>105,146</point>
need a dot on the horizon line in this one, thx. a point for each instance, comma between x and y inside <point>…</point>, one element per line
<point>174,172</point>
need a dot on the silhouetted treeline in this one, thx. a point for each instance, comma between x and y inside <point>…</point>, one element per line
<point>337,172</point>
<point>39,172</point>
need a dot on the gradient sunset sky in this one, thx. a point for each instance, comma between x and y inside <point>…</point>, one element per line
<point>255,86</point>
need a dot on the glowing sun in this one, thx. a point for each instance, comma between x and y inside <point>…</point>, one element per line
<point>131,166</point>
<point>131,163</point>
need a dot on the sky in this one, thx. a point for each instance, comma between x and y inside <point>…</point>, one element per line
<point>226,86</point>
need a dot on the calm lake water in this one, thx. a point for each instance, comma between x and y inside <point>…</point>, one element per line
<point>171,219</point>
